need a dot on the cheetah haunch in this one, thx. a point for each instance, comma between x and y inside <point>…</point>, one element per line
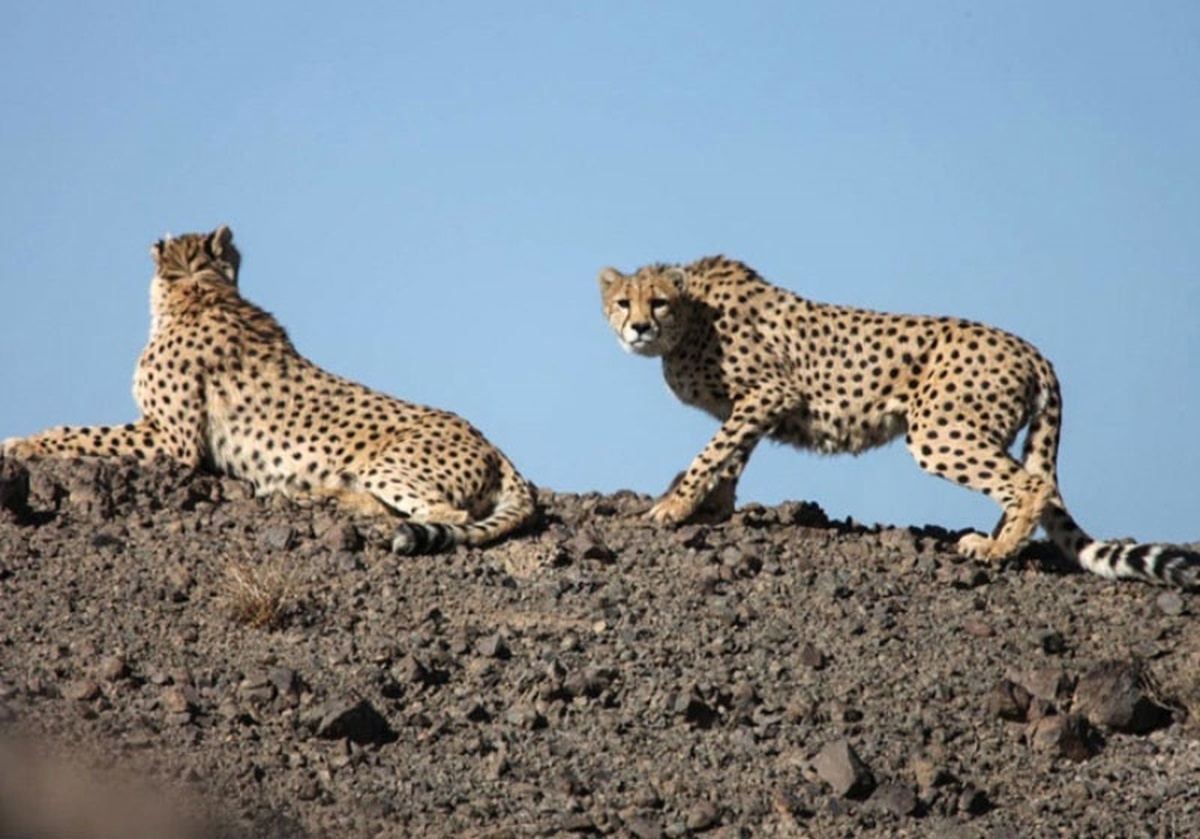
<point>766,362</point>
<point>220,385</point>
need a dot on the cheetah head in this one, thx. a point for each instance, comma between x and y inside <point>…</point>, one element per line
<point>646,308</point>
<point>207,257</point>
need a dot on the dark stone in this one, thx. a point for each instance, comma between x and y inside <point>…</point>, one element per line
<point>1113,695</point>
<point>14,485</point>
<point>354,720</point>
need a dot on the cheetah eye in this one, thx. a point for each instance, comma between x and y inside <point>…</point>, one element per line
<point>623,304</point>
<point>659,303</point>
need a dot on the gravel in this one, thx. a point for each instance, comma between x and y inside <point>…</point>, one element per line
<point>223,665</point>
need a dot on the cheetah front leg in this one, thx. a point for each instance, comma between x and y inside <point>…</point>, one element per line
<point>720,503</point>
<point>142,440</point>
<point>721,461</point>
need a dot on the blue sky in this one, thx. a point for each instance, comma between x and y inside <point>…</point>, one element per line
<point>425,192</point>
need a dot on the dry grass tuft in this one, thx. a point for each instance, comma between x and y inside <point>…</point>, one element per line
<point>261,595</point>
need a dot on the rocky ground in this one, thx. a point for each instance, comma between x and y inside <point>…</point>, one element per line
<point>179,658</point>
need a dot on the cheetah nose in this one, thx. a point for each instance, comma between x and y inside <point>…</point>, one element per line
<point>641,328</point>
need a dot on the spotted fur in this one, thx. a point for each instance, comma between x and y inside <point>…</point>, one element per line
<point>768,363</point>
<point>220,385</point>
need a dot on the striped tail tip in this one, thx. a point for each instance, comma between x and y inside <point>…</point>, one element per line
<point>1169,564</point>
<point>412,538</point>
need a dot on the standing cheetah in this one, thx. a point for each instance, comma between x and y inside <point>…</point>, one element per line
<point>221,385</point>
<point>766,362</point>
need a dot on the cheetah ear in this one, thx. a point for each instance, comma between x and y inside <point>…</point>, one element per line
<point>229,260</point>
<point>156,250</point>
<point>677,277</point>
<point>609,277</point>
<point>220,239</point>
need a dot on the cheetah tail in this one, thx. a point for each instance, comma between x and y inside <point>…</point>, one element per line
<point>1155,563</point>
<point>515,507</point>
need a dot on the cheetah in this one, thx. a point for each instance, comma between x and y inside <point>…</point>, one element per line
<point>221,386</point>
<point>769,363</point>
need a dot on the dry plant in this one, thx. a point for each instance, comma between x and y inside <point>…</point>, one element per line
<point>261,595</point>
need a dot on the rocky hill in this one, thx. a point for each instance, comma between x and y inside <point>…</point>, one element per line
<point>180,658</point>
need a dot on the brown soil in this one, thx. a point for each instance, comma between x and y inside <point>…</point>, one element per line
<point>180,658</point>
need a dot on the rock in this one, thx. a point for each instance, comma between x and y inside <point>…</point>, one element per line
<point>1113,695</point>
<point>84,690</point>
<point>1046,683</point>
<point>978,628</point>
<point>179,583</point>
<point>354,720</point>
<point>287,683</point>
<point>586,544</point>
<point>839,766</point>
<point>576,823</point>
<point>14,485</point>
<point>929,774</point>
<point>1068,736</point>
<point>590,682</point>
<point>1052,642</point>
<point>525,716</point>
<point>112,668</point>
<point>897,540</point>
<point>493,646</point>
<point>803,514</point>
<point>897,799</point>
<point>970,576</point>
<point>409,670</point>
<point>702,816</point>
<point>280,537</point>
<point>1008,701</point>
<point>343,537</point>
<point>256,687</point>
<point>811,657</point>
<point>973,802</point>
<point>1170,603</point>
<point>177,699</point>
<point>644,827</point>
<point>694,536</point>
<point>695,710</point>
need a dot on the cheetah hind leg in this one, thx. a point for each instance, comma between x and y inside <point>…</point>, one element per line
<point>355,503</point>
<point>1022,496</point>
<point>1024,500</point>
<point>431,531</point>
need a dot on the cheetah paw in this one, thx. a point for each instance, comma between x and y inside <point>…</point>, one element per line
<point>669,510</point>
<point>976,546</point>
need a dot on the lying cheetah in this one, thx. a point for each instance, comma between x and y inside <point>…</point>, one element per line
<point>221,385</point>
<point>769,363</point>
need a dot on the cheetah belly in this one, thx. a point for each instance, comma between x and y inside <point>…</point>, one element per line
<point>826,427</point>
